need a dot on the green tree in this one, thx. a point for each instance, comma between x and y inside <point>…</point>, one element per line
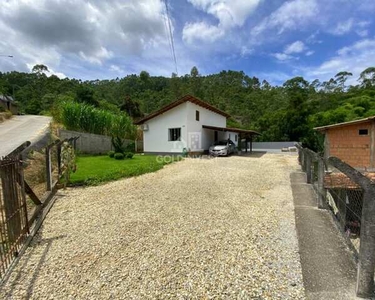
<point>85,94</point>
<point>40,69</point>
<point>195,82</point>
<point>367,77</point>
<point>341,78</point>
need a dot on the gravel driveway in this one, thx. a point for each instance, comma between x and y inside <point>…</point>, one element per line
<point>198,229</point>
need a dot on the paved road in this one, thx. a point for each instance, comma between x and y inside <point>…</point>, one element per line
<point>20,129</point>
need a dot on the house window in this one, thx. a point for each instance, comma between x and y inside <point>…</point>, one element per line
<point>174,134</point>
<point>197,115</point>
<point>363,132</point>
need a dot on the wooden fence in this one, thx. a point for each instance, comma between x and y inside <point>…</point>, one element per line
<point>21,210</point>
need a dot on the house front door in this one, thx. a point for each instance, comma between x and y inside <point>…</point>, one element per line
<point>195,142</point>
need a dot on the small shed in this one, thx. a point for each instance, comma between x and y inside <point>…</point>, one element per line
<point>8,103</point>
<point>353,142</point>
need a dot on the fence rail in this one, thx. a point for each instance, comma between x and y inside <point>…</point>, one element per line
<point>20,202</point>
<point>350,196</point>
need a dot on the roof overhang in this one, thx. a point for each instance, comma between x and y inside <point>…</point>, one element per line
<point>237,130</point>
<point>343,124</point>
<point>174,104</point>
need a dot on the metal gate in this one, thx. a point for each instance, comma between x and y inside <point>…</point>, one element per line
<point>14,226</point>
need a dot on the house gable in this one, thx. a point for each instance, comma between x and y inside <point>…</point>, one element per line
<point>187,98</point>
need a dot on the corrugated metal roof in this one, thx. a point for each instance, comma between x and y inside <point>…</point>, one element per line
<point>6,98</point>
<point>322,128</point>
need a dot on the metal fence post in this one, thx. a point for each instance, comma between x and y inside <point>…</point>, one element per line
<point>308,168</point>
<point>303,160</point>
<point>48,169</point>
<point>58,148</point>
<point>322,192</point>
<point>366,265</point>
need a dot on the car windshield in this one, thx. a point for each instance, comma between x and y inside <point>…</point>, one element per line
<point>221,143</point>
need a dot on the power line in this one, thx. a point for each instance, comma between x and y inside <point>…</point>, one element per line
<point>167,33</point>
<point>171,34</point>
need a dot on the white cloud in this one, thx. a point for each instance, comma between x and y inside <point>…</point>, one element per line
<point>309,53</point>
<point>116,69</point>
<point>343,27</point>
<point>293,48</point>
<point>296,47</point>
<point>362,32</point>
<point>230,13</point>
<point>86,32</point>
<point>360,27</point>
<point>354,58</point>
<point>97,57</point>
<point>313,38</point>
<point>290,15</point>
<point>245,51</point>
<point>282,56</point>
<point>201,32</point>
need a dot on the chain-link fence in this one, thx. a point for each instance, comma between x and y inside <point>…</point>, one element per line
<point>336,192</point>
<point>350,196</point>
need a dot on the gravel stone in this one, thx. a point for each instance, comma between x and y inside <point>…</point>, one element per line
<point>199,229</point>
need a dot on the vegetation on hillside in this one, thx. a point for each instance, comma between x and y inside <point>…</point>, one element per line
<point>287,112</point>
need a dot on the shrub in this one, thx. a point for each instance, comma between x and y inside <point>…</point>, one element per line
<point>118,144</point>
<point>130,147</point>
<point>119,156</point>
<point>111,154</point>
<point>129,155</point>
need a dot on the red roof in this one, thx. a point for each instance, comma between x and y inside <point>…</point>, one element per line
<point>341,181</point>
<point>184,99</point>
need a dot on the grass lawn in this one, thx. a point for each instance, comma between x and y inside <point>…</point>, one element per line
<point>93,170</point>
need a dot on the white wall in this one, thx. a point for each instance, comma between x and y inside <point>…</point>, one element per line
<point>206,117</point>
<point>231,136</point>
<point>193,136</point>
<point>155,139</point>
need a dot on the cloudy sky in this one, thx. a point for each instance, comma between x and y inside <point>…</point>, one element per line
<point>270,39</point>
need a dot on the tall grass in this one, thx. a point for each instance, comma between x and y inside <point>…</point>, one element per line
<point>82,117</point>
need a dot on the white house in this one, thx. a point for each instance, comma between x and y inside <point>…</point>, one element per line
<point>188,123</point>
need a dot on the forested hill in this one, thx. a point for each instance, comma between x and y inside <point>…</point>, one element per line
<point>287,112</point>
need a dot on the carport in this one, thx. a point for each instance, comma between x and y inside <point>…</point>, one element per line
<point>247,135</point>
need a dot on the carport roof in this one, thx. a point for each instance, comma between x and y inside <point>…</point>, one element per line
<point>238,130</point>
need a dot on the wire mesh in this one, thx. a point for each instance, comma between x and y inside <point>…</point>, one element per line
<point>342,196</point>
<point>345,199</point>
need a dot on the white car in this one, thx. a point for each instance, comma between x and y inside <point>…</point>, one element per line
<point>222,148</point>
